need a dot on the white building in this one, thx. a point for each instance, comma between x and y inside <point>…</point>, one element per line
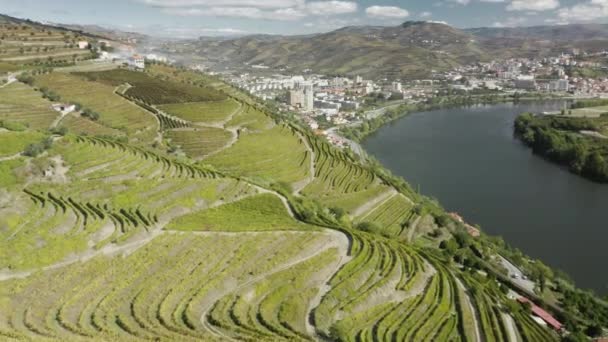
<point>525,82</point>
<point>559,85</point>
<point>397,87</point>
<point>138,61</point>
<point>302,96</point>
<point>83,44</point>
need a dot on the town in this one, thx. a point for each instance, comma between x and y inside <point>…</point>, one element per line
<point>325,103</point>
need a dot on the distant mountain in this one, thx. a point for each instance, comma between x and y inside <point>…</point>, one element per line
<point>411,50</point>
<point>555,33</point>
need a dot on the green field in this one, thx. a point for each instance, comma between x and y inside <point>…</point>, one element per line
<point>258,213</point>
<point>12,143</point>
<point>339,181</point>
<point>392,215</point>
<point>81,125</point>
<point>199,142</point>
<point>590,111</point>
<point>166,287</point>
<point>7,67</point>
<point>188,212</point>
<point>251,119</point>
<point>154,90</point>
<point>206,112</point>
<point>21,103</point>
<point>276,154</point>
<point>116,112</point>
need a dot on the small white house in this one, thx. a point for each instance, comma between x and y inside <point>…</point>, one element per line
<point>83,44</point>
<point>138,61</point>
<point>64,108</point>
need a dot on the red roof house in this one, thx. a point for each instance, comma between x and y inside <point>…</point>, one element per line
<point>544,315</point>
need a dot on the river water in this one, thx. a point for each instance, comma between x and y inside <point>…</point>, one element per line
<point>469,160</point>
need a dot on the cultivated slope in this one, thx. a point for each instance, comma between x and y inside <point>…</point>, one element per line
<point>134,235</point>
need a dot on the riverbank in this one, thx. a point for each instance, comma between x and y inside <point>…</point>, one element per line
<point>515,194</point>
<point>393,112</point>
<point>568,141</point>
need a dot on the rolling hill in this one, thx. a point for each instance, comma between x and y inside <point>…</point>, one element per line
<point>410,50</point>
<point>25,42</point>
<point>172,206</point>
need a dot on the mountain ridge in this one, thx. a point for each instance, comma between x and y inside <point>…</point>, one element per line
<point>414,49</point>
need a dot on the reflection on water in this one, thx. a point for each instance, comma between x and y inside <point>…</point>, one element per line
<point>470,161</point>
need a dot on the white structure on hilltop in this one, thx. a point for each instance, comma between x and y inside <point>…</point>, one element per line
<point>83,44</point>
<point>302,96</point>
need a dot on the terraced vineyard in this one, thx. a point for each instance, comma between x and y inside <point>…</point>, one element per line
<point>32,43</point>
<point>339,181</point>
<point>206,112</point>
<point>21,103</point>
<point>165,288</point>
<point>80,125</point>
<point>115,112</point>
<point>154,90</point>
<point>393,215</point>
<point>276,154</point>
<point>15,142</point>
<point>111,233</point>
<point>200,142</point>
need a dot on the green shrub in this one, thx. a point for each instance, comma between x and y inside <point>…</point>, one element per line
<point>13,126</point>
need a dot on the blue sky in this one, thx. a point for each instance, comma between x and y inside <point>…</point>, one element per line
<point>192,18</point>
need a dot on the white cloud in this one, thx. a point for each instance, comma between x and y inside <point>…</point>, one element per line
<point>425,14</point>
<point>533,5</point>
<point>511,22</point>
<point>281,14</point>
<point>466,2</point>
<point>224,3</point>
<point>282,10</point>
<point>386,12</point>
<point>461,2</point>
<point>331,7</point>
<point>595,9</point>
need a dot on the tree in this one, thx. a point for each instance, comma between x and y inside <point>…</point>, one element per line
<point>449,246</point>
<point>337,212</point>
<point>369,227</point>
<point>594,330</point>
<point>595,166</point>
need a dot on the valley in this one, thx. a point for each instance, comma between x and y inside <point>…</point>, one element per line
<point>157,202</point>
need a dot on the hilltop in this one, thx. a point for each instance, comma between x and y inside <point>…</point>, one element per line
<point>28,43</point>
<point>411,50</point>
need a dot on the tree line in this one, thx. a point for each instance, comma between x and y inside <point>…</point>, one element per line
<point>559,140</point>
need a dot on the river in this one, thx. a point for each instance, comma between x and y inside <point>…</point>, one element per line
<point>469,160</point>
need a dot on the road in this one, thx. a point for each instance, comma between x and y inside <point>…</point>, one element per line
<point>516,275</point>
<point>354,146</point>
<point>10,79</point>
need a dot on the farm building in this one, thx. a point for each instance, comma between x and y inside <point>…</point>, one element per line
<point>137,61</point>
<point>542,314</point>
<point>83,44</point>
<point>64,108</point>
